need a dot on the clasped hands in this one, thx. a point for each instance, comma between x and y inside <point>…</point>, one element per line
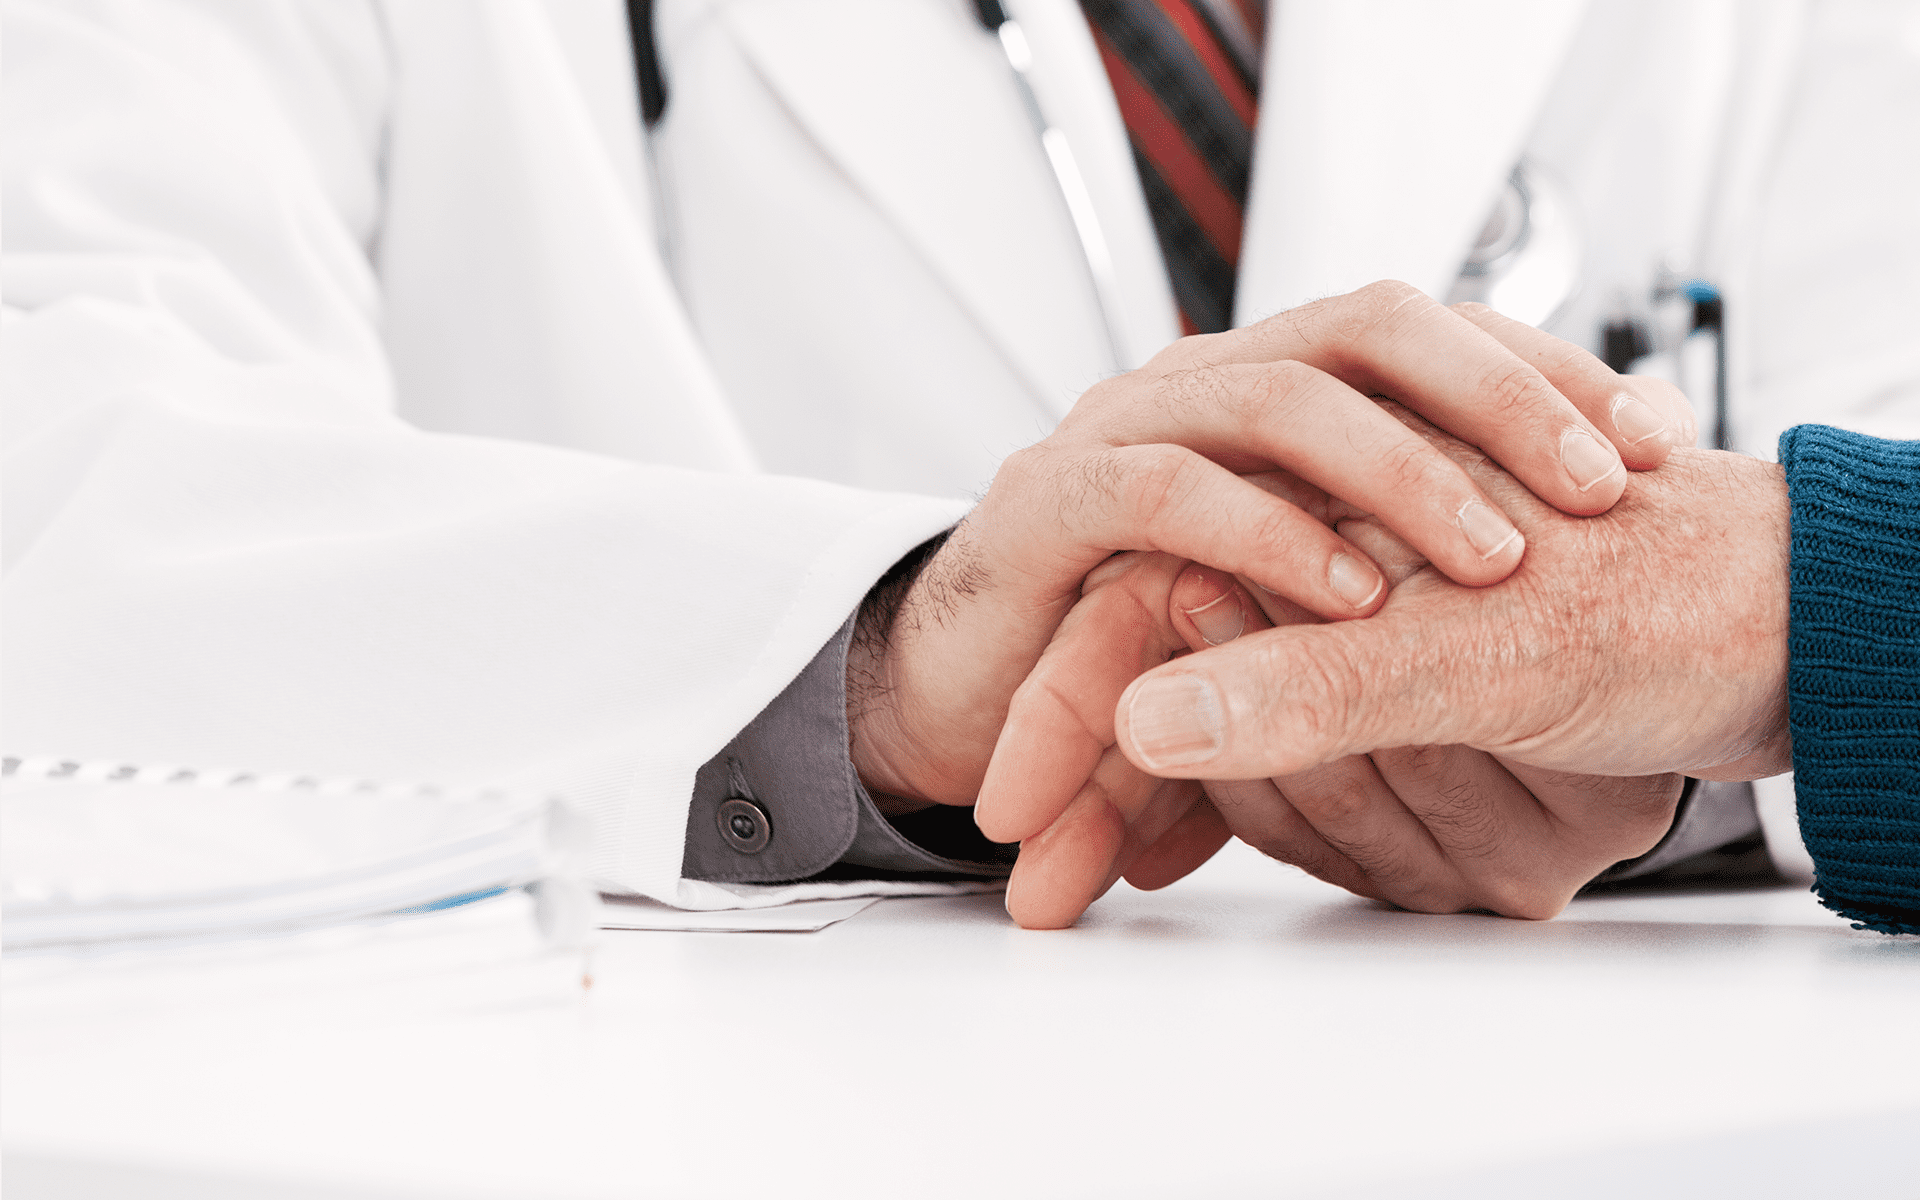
<point>1254,589</point>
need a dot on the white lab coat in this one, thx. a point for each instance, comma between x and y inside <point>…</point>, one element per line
<point>257,249</point>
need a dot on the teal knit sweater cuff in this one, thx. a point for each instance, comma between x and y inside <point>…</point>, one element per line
<point>1853,679</point>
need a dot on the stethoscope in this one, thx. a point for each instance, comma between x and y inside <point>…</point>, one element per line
<point>1066,172</point>
<point>1526,262</point>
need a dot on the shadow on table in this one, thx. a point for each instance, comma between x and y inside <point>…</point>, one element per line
<point>1381,930</point>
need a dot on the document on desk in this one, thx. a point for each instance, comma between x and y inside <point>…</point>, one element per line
<point>780,907</point>
<point>102,857</point>
<point>805,916</point>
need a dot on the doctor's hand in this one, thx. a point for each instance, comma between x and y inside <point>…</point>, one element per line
<point>1428,828</point>
<point>1155,460</point>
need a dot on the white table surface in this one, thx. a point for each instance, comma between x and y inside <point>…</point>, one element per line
<point>1246,1032</point>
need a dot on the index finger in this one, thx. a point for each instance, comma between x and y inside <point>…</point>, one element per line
<point>1324,432</point>
<point>1059,725</point>
<point>1060,721</point>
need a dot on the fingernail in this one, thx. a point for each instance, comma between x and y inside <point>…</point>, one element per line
<point>1175,721</point>
<point>1586,460</point>
<point>1356,582</point>
<point>1488,530</point>
<point>1220,621</point>
<point>1635,419</point>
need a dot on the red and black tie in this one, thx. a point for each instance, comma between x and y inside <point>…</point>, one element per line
<point>1186,73</point>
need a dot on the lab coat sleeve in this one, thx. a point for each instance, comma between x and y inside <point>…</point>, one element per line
<point>224,549</point>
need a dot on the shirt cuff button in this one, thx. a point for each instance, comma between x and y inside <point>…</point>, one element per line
<point>744,825</point>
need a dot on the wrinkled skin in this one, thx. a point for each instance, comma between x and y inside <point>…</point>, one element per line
<point>1651,638</point>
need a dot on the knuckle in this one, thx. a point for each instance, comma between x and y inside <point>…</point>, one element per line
<point>1231,796</point>
<point>1255,397</point>
<point>1277,528</point>
<point>1516,389</point>
<point>1193,388</point>
<point>1017,470</point>
<point>1564,360</point>
<point>1307,701</point>
<point>1474,311</point>
<point>1331,802</point>
<point>1523,898</point>
<point>1334,683</point>
<point>1424,765</point>
<point>1337,321</point>
<point>1384,300</point>
<point>1279,385</point>
<point>1366,323</point>
<point>1389,294</point>
<point>1097,478</point>
<point>1462,821</point>
<point>1411,464</point>
<point>1314,860</point>
<point>1398,876</point>
<point>1298,326</point>
<point>1043,474</point>
<point>1152,481</point>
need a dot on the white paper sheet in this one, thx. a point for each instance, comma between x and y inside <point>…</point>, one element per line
<point>769,908</point>
<point>806,916</point>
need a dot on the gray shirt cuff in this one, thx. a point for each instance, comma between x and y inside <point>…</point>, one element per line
<point>782,801</point>
<point>1715,840</point>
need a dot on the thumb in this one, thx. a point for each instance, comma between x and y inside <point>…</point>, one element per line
<point>1278,702</point>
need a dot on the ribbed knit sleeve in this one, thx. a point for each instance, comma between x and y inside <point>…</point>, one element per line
<point>1853,680</point>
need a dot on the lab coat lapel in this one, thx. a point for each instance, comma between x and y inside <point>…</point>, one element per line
<point>1386,130</point>
<point>934,135</point>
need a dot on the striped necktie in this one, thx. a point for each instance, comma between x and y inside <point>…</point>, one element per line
<point>1187,76</point>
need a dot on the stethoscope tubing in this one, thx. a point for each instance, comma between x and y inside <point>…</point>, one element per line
<point>1066,172</point>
